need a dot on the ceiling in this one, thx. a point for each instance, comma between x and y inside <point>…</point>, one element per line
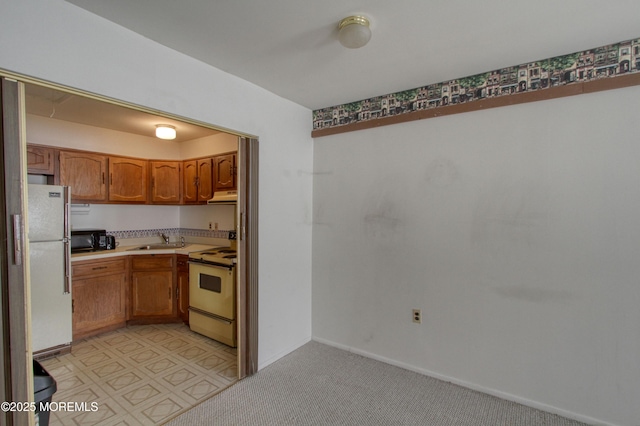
<point>55,104</point>
<point>290,47</point>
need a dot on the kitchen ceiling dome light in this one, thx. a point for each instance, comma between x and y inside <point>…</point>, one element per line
<point>354,32</point>
<point>164,131</point>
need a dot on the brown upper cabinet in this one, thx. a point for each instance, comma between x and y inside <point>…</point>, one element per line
<point>85,173</point>
<point>224,172</point>
<point>40,160</point>
<point>102,178</point>
<point>166,181</point>
<point>128,180</point>
<point>198,183</point>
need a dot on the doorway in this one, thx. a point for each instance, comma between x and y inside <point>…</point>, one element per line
<point>246,218</point>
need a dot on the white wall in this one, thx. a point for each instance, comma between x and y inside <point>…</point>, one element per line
<point>56,41</point>
<point>209,145</point>
<point>515,230</point>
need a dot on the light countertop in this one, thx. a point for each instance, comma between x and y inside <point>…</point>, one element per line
<point>125,251</point>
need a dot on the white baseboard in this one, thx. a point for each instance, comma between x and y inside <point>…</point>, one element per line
<point>468,385</point>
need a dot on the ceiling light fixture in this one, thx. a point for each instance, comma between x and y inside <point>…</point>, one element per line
<point>354,32</point>
<point>164,131</point>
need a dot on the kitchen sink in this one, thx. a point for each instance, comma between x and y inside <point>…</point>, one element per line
<point>170,246</point>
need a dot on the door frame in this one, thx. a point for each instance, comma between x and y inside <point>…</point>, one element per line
<point>17,374</point>
<point>247,232</point>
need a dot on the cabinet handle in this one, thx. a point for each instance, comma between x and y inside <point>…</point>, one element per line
<point>177,293</point>
<point>111,179</point>
<point>99,267</point>
<point>103,178</point>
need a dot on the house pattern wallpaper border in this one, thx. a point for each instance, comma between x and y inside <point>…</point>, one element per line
<point>603,62</point>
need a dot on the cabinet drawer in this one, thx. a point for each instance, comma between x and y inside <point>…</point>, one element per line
<point>149,262</point>
<point>98,267</point>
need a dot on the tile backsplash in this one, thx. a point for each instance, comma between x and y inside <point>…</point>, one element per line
<point>170,232</point>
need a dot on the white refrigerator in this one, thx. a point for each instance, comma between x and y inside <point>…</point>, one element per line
<point>50,267</point>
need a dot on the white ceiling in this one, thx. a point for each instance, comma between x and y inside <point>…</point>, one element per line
<point>58,105</point>
<point>290,47</point>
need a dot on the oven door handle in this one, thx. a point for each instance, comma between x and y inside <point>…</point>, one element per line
<point>211,264</point>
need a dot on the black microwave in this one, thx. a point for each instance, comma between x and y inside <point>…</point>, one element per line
<point>84,240</point>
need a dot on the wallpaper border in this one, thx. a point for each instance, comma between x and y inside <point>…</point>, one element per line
<point>602,68</point>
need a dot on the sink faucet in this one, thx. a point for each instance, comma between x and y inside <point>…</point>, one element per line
<point>164,237</point>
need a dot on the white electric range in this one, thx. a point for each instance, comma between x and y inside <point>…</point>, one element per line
<point>217,256</point>
<point>212,294</point>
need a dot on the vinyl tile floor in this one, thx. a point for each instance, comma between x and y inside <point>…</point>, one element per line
<point>139,375</point>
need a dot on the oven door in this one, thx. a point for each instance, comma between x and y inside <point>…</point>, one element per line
<point>212,289</point>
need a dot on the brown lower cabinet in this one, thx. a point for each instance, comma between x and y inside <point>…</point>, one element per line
<point>99,296</point>
<point>153,288</point>
<point>141,289</point>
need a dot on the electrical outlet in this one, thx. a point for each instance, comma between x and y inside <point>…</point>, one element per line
<point>215,226</point>
<point>210,225</point>
<point>417,316</point>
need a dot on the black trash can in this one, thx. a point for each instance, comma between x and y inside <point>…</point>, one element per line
<point>44,386</point>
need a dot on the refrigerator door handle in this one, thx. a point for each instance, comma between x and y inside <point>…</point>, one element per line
<point>17,239</point>
<point>67,241</point>
<point>67,267</point>
<point>67,211</point>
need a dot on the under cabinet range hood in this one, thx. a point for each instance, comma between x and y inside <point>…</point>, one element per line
<point>224,197</point>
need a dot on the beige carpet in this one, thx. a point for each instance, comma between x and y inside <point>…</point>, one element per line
<point>321,385</point>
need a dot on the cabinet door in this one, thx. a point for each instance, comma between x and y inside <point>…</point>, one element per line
<point>166,182</point>
<point>198,180</point>
<point>190,183</point>
<point>85,173</point>
<point>224,171</point>
<point>127,180</point>
<point>205,183</point>
<point>152,294</point>
<point>98,303</point>
<point>40,160</point>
